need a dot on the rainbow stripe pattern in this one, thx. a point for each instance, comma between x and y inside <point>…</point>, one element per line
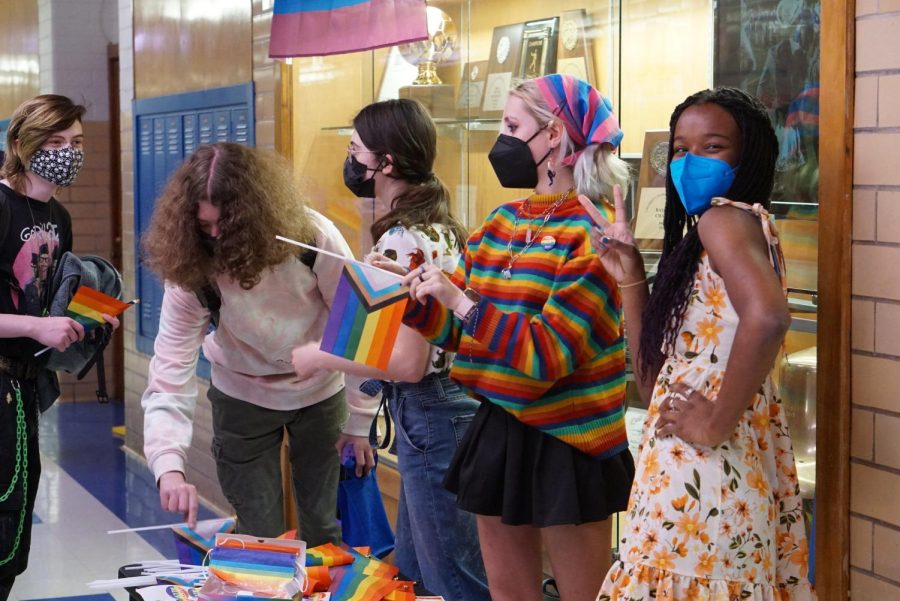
<point>88,305</point>
<point>322,27</point>
<point>547,344</point>
<point>257,571</point>
<point>328,554</point>
<point>365,317</point>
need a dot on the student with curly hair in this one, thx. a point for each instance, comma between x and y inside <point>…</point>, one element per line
<point>535,322</point>
<point>212,239</point>
<point>715,511</point>
<point>391,156</point>
<point>45,151</point>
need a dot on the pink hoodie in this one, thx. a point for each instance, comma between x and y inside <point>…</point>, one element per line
<point>249,352</point>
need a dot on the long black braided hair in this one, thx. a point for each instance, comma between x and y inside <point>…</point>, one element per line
<point>753,183</point>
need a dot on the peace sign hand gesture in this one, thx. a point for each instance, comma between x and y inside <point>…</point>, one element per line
<point>614,242</point>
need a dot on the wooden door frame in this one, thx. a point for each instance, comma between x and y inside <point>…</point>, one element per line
<point>837,85</point>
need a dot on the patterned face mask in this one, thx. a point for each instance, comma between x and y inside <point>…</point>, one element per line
<point>58,165</point>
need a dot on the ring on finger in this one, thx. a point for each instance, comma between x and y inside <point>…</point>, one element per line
<point>671,403</point>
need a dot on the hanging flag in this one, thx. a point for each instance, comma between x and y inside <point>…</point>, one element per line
<point>320,27</point>
<point>88,305</point>
<point>365,317</point>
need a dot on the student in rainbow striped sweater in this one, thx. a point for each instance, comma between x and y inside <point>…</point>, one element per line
<point>536,323</point>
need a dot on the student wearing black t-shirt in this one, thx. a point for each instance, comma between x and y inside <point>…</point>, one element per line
<point>44,151</point>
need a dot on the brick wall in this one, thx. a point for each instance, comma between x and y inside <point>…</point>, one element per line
<point>875,427</point>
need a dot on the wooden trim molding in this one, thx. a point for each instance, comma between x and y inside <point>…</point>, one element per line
<point>284,110</point>
<point>837,84</point>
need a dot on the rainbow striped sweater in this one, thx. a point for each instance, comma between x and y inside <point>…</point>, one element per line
<point>546,344</point>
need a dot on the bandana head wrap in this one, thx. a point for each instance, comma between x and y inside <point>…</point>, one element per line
<point>587,114</point>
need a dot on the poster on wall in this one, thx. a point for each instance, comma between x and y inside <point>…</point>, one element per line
<point>770,49</point>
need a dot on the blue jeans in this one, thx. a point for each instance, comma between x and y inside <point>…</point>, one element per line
<point>437,543</point>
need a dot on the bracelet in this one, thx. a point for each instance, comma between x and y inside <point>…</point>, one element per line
<point>633,283</point>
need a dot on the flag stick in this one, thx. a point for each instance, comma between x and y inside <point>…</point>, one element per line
<point>145,528</point>
<point>133,301</point>
<point>337,256</point>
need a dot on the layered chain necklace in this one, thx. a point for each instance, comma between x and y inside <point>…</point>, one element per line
<point>529,238</point>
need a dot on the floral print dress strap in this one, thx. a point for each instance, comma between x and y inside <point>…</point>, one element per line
<point>776,256</point>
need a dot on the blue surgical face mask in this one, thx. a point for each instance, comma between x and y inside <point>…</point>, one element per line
<point>699,179</point>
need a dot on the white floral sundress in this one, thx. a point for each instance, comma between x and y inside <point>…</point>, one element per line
<point>722,523</point>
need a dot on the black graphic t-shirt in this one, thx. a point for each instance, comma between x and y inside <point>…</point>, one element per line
<point>37,236</point>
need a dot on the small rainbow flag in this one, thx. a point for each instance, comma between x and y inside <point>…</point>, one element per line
<point>365,317</point>
<point>88,305</point>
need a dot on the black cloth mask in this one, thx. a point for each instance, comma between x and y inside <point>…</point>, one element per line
<point>512,161</point>
<point>355,178</point>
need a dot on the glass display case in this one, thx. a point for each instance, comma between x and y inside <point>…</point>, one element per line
<point>646,56</point>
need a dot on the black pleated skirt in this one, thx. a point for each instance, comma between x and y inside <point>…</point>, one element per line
<point>508,469</point>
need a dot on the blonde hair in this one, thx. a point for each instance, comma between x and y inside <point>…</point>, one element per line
<point>598,168</point>
<point>32,123</point>
<point>257,199</point>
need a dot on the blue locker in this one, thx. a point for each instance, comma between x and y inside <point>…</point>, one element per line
<point>168,129</point>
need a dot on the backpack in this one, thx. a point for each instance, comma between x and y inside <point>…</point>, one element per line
<point>97,273</point>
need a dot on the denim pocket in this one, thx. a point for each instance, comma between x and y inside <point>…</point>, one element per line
<point>461,424</point>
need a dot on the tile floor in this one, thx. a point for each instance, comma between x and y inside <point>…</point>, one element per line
<point>90,485</point>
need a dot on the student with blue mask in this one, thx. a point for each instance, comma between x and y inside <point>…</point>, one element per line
<point>715,511</point>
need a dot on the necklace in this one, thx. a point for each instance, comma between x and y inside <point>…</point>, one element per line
<point>529,239</point>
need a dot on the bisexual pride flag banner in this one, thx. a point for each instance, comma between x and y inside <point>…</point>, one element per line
<point>365,316</point>
<point>321,27</point>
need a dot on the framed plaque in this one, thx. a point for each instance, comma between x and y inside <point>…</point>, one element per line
<point>648,223</point>
<point>503,64</point>
<point>573,52</point>
<point>471,88</point>
<point>653,159</point>
<point>537,56</point>
<point>648,220</point>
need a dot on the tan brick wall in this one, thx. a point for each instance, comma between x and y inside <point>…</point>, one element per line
<point>875,369</point>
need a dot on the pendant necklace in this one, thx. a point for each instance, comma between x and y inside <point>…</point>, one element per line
<point>529,238</point>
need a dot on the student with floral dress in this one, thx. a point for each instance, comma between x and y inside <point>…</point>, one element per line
<point>715,510</point>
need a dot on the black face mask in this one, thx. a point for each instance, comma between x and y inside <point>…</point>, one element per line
<point>208,243</point>
<point>355,178</point>
<point>512,161</point>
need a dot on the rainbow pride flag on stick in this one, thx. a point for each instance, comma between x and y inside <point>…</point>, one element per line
<point>365,317</point>
<point>88,306</point>
<point>321,27</point>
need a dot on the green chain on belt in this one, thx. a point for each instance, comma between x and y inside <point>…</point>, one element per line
<point>21,469</point>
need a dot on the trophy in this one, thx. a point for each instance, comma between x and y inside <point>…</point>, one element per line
<point>440,47</point>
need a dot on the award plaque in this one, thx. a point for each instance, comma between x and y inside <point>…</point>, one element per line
<point>537,56</point>
<point>648,226</point>
<point>648,221</point>
<point>471,88</point>
<point>503,64</point>
<point>573,52</point>
<point>653,159</point>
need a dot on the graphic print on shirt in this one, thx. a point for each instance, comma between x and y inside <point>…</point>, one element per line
<point>34,266</point>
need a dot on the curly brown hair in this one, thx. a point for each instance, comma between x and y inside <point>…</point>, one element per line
<point>257,197</point>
